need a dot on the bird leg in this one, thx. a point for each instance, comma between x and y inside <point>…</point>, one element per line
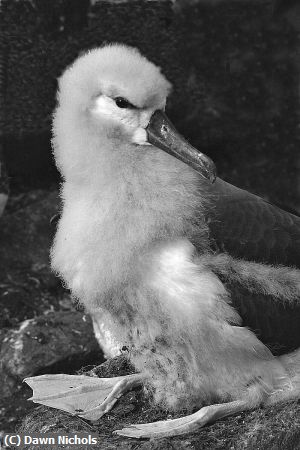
<point>183,425</point>
<point>80,395</point>
<point>107,343</point>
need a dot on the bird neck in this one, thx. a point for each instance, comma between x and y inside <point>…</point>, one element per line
<point>139,196</point>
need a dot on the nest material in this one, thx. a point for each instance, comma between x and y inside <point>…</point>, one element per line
<point>276,427</point>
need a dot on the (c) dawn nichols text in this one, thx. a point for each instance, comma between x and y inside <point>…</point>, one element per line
<point>45,439</point>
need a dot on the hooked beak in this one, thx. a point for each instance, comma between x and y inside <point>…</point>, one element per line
<point>164,135</point>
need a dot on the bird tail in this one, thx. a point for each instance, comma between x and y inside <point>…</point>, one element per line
<point>290,390</point>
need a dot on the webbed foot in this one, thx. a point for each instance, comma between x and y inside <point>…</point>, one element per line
<point>182,425</point>
<point>80,395</point>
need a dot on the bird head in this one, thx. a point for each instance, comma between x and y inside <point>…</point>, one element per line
<point>121,96</point>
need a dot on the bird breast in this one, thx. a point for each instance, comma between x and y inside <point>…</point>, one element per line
<point>106,226</point>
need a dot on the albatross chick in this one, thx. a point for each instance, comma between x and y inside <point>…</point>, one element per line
<point>146,242</point>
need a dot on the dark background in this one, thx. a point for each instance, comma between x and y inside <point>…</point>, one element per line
<point>234,66</point>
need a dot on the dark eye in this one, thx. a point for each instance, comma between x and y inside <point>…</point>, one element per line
<point>123,103</point>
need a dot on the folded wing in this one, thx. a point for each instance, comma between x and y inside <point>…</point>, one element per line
<point>248,227</point>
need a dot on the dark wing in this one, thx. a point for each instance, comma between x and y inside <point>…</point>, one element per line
<point>248,227</point>
<point>275,324</point>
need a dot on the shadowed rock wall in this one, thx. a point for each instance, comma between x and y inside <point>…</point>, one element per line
<point>233,65</point>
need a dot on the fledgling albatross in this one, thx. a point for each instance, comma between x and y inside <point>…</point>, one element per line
<point>156,249</point>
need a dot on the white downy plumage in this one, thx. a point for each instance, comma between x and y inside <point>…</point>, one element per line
<point>124,247</point>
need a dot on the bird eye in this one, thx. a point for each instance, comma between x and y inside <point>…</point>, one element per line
<point>123,103</point>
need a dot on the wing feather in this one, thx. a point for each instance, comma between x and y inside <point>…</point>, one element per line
<point>248,227</point>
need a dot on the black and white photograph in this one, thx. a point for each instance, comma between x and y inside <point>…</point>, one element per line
<point>150,224</point>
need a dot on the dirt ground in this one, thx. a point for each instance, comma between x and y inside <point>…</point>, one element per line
<point>272,428</point>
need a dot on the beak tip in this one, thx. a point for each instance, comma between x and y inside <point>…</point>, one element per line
<point>213,175</point>
<point>210,170</point>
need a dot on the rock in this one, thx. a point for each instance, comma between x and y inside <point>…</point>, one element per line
<point>26,234</point>
<point>56,338</point>
<point>3,201</point>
